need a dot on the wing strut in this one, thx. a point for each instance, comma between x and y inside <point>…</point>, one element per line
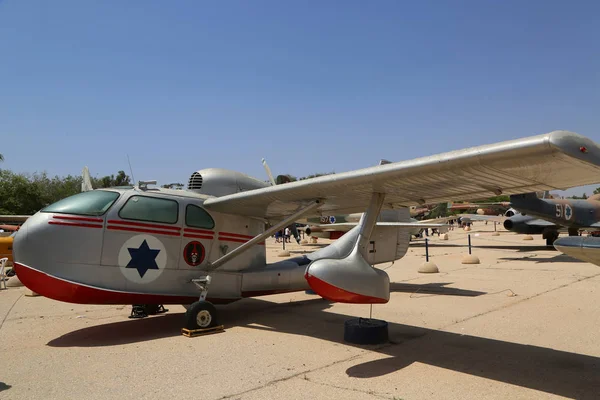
<point>367,223</point>
<point>259,238</point>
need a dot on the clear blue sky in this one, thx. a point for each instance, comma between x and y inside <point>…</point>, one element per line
<point>313,86</point>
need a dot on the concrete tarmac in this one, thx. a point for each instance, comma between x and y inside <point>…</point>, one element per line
<point>523,324</point>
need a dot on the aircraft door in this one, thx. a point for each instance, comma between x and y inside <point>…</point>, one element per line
<point>142,238</point>
<point>198,236</point>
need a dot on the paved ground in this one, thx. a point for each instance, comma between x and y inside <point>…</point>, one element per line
<point>521,325</point>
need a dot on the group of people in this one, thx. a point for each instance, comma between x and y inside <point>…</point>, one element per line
<point>459,222</point>
<point>283,235</point>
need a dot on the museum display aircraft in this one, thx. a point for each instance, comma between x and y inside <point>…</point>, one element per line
<point>205,245</point>
<point>547,216</point>
<point>334,226</point>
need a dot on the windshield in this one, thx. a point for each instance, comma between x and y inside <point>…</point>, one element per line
<point>94,202</point>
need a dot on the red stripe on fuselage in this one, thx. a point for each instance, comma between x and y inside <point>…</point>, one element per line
<point>71,292</point>
<point>186,235</point>
<point>131,229</point>
<point>144,225</point>
<point>225,239</point>
<point>78,224</point>
<point>75,218</point>
<point>232,240</point>
<point>198,231</point>
<point>236,235</point>
<point>333,293</point>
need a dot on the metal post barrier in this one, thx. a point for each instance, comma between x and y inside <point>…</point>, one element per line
<point>469,243</point>
<point>427,250</point>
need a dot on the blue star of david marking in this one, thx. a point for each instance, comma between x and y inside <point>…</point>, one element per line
<point>142,258</point>
<point>568,212</point>
<point>332,220</point>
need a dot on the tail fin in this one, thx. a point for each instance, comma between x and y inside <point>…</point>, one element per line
<point>269,174</point>
<point>86,183</point>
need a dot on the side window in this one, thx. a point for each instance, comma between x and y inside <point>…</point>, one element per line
<point>196,217</point>
<point>150,209</point>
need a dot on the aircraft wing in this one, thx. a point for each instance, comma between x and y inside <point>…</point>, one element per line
<point>540,222</point>
<point>440,220</point>
<point>556,160</point>
<point>14,218</point>
<point>477,217</point>
<point>350,225</point>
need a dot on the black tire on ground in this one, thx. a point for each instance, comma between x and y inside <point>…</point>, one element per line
<point>201,315</point>
<point>573,232</point>
<point>366,331</point>
<point>551,237</point>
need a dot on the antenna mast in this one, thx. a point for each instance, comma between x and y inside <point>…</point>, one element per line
<point>130,169</point>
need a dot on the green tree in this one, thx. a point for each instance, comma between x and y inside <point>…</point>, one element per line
<point>440,210</point>
<point>176,186</point>
<point>28,193</point>
<point>122,179</point>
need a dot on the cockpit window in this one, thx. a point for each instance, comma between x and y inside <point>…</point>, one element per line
<point>152,209</point>
<point>196,217</point>
<point>94,202</point>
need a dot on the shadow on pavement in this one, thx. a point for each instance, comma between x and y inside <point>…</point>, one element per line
<point>562,258</point>
<point>552,371</point>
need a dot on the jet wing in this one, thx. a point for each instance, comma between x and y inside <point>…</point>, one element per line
<point>556,160</point>
<point>540,222</point>
<point>477,217</point>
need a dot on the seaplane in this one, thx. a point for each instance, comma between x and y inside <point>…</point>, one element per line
<point>205,245</point>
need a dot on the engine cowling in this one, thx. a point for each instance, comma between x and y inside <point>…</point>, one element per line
<point>519,224</point>
<point>221,182</point>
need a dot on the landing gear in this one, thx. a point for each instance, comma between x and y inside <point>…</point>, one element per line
<point>201,314</point>
<point>573,232</point>
<point>550,237</point>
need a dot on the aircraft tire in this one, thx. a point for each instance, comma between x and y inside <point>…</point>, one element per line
<point>201,315</point>
<point>366,331</point>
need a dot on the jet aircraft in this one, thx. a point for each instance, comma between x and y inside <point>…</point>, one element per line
<point>549,216</point>
<point>205,245</point>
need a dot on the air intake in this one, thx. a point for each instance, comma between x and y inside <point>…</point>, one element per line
<point>195,182</point>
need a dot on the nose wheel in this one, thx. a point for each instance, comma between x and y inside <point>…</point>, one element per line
<point>201,314</point>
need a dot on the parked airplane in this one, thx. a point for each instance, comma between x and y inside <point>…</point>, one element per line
<point>144,245</point>
<point>482,208</point>
<point>549,216</point>
<point>334,226</point>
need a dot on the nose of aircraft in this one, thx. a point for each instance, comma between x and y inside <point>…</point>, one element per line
<point>55,245</point>
<point>32,246</point>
